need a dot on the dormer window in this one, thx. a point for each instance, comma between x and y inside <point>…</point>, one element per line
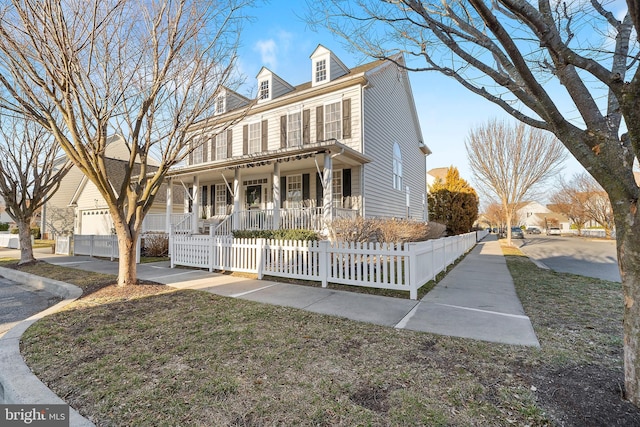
<point>220,104</point>
<point>321,70</point>
<point>264,90</point>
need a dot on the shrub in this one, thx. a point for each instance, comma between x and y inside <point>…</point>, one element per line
<point>384,230</point>
<point>4,226</point>
<point>282,234</point>
<point>35,232</point>
<point>155,244</point>
<point>14,231</point>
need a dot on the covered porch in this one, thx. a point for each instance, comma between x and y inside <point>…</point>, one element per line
<point>303,187</point>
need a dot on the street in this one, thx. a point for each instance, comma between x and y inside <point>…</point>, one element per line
<point>578,255</point>
<point>18,302</point>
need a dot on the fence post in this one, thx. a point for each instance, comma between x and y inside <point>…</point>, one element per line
<point>260,258</point>
<point>413,270</point>
<point>323,258</point>
<point>91,246</point>
<point>212,247</point>
<point>171,242</point>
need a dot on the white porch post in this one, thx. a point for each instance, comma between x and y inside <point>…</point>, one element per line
<point>276,196</point>
<point>236,199</point>
<point>195,205</point>
<point>327,183</point>
<point>169,205</point>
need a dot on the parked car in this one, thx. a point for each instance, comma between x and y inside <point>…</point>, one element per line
<point>533,230</point>
<point>516,233</point>
<point>553,231</point>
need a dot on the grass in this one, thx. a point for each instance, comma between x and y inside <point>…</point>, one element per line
<point>192,358</point>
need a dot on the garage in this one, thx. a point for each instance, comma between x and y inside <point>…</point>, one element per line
<point>95,221</point>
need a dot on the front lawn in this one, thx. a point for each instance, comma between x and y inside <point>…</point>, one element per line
<point>152,356</point>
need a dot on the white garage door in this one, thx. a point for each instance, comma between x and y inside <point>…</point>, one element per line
<point>95,221</point>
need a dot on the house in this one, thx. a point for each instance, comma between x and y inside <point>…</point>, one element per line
<point>346,143</point>
<point>78,207</point>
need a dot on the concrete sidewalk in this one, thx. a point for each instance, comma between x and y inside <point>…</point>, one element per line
<point>476,299</point>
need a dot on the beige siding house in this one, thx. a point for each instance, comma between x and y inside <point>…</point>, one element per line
<point>346,143</point>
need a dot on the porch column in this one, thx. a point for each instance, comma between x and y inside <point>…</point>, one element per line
<point>169,205</point>
<point>276,196</point>
<point>236,199</point>
<point>327,184</point>
<point>195,205</point>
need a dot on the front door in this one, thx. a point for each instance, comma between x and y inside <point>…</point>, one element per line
<point>254,196</point>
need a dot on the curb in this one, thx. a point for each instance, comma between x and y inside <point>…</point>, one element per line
<point>17,383</point>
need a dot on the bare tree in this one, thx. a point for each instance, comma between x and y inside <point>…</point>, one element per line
<point>145,70</point>
<point>571,199</point>
<point>29,174</point>
<point>572,68</point>
<point>511,161</point>
<point>596,202</point>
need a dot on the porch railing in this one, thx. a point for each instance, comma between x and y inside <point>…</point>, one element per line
<point>158,222</point>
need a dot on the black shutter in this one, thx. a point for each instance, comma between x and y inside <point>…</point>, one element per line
<point>212,141</point>
<point>346,188</point>
<point>306,126</point>
<point>283,131</point>
<point>283,190</point>
<point>320,123</point>
<point>305,189</point>
<point>229,195</point>
<point>229,143</point>
<point>205,151</point>
<point>319,191</point>
<point>245,139</point>
<point>204,192</point>
<point>212,190</point>
<point>190,197</point>
<point>346,118</point>
<point>190,153</point>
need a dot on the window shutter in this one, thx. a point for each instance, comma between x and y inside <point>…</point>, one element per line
<point>320,123</point>
<point>245,139</point>
<point>319,191</point>
<point>263,135</point>
<point>346,118</point>
<point>229,196</point>
<point>283,131</point>
<point>283,190</point>
<point>190,197</point>
<point>212,142</point>
<point>306,126</point>
<point>205,151</point>
<point>229,143</point>
<point>346,188</point>
<point>212,190</point>
<point>305,189</point>
<point>204,199</point>
<point>191,152</point>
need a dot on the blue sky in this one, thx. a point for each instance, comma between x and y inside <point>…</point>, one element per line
<point>279,39</point>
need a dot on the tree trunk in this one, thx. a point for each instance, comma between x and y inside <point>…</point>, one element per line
<point>26,249</point>
<point>628,246</point>
<point>127,240</point>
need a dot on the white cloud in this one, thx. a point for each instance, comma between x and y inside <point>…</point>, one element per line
<point>268,51</point>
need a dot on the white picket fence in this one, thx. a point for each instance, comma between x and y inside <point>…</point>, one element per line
<point>63,245</point>
<point>404,267</point>
<point>99,246</point>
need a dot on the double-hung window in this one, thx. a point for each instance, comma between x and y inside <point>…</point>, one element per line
<point>321,70</point>
<point>336,184</point>
<point>221,199</point>
<point>332,121</point>
<point>264,90</point>
<point>294,191</point>
<point>221,145</point>
<point>220,104</point>
<point>294,129</point>
<point>254,138</point>
<point>197,151</point>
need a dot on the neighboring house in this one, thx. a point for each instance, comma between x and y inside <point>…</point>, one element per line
<point>78,207</point>
<point>346,143</point>
<point>531,214</point>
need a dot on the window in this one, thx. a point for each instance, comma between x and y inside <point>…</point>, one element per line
<point>254,138</point>
<point>336,184</point>
<point>220,104</point>
<point>294,130</point>
<point>221,145</point>
<point>321,70</point>
<point>294,191</point>
<point>221,199</point>
<point>264,90</point>
<point>397,167</point>
<point>197,151</point>
<point>332,121</point>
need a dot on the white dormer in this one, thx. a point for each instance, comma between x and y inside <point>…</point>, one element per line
<point>325,66</point>
<point>270,85</point>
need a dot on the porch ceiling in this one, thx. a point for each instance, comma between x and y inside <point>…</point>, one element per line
<point>290,159</point>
